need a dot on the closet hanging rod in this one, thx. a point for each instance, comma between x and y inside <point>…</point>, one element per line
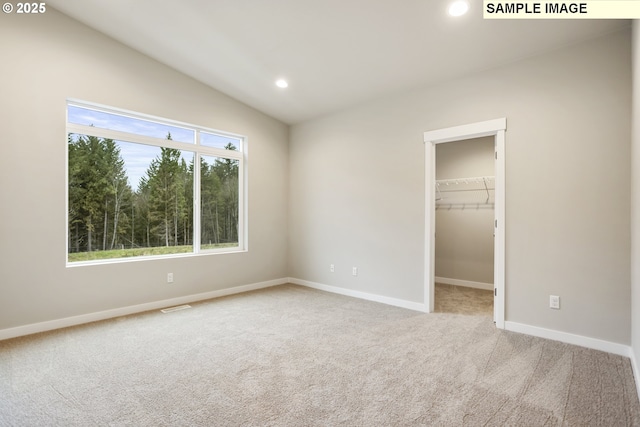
<point>453,185</point>
<point>466,189</point>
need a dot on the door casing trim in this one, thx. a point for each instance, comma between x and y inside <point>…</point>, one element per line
<point>496,128</point>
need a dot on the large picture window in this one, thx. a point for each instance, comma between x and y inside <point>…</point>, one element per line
<point>140,186</point>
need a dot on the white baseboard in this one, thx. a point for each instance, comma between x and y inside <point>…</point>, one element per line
<point>362,295</point>
<point>132,309</point>
<point>467,283</point>
<point>593,343</point>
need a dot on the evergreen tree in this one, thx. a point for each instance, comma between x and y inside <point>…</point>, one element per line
<point>209,194</point>
<point>117,195</point>
<point>166,178</point>
<point>98,192</point>
<point>219,193</point>
<point>88,187</point>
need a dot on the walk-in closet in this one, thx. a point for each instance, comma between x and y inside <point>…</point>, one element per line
<point>464,245</point>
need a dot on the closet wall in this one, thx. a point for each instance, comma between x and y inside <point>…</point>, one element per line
<point>465,212</point>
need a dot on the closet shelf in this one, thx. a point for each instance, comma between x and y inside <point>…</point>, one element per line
<point>476,189</point>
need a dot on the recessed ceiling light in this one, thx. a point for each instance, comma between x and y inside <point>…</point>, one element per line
<point>282,83</point>
<point>458,8</point>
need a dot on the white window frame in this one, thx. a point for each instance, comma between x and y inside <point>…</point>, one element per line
<point>196,147</point>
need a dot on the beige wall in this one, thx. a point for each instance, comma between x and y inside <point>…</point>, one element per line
<point>464,222</point>
<point>49,58</point>
<point>357,187</point>
<point>635,200</point>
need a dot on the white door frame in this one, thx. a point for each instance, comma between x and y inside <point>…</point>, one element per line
<point>496,128</point>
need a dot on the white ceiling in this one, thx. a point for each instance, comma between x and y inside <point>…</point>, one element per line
<point>334,53</point>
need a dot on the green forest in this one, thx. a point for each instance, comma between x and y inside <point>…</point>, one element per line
<point>109,219</point>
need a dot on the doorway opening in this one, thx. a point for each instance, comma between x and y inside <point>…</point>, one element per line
<point>465,199</point>
<point>492,128</point>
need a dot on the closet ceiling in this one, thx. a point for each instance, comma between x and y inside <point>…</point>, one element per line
<point>334,53</point>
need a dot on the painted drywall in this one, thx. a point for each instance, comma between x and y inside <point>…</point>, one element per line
<point>357,187</point>
<point>635,204</point>
<point>50,58</point>
<point>464,219</point>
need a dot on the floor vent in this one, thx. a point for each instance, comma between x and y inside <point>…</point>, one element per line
<point>176,308</point>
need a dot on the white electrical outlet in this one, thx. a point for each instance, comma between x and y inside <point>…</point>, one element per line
<point>554,302</point>
<point>354,271</point>
<point>332,268</point>
<point>169,277</point>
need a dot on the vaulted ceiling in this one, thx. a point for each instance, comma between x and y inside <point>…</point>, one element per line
<point>334,53</point>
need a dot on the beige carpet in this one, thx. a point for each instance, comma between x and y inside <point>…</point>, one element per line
<point>463,300</point>
<point>292,356</point>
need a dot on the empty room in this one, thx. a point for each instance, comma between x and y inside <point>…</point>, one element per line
<point>326,213</point>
